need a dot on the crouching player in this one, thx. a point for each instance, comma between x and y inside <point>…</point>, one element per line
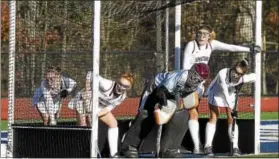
<point>48,97</point>
<point>162,92</point>
<point>111,94</point>
<point>222,93</point>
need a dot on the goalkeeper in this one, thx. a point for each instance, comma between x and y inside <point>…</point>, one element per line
<point>111,94</point>
<point>162,92</point>
<point>48,97</point>
<point>222,93</point>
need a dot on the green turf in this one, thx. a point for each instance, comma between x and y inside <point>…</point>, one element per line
<point>269,115</point>
<point>272,155</point>
<point>4,125</point>
<point>248,115</point>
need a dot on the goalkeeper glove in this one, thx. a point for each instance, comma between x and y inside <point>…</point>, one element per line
<point>234,114</point>
<point>255,49</point>
<point>161,95</point>
<point>64,93</point>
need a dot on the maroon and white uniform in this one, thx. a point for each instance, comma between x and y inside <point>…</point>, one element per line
<point>107,98</point>
<point>194,53</point>
<point>221,91</point>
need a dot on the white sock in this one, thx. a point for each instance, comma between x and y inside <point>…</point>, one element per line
<point>194,130</point>
<point>235,142</point>
<point>113,140</point>
<point>209,134</point>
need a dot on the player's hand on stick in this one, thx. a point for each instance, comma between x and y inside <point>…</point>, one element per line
<point>234,113</point>
<point>255,49</point>
<point>64,93</point>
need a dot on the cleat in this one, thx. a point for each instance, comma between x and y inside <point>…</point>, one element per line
<point>208,151</point>
<point>171,153</point>
<point>130,152</point>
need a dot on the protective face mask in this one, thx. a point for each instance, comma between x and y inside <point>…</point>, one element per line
<point>235,76</point>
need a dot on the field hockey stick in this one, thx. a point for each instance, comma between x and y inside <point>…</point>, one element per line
<point>234,115</point>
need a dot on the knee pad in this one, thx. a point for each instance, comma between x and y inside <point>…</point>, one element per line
<point>175,130</point>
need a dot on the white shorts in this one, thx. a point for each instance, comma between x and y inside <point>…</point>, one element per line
<point>40,101</point>
<point>48,110</point>
<point>200,90</point>
<point>82,106</point>
<point>219,100</point>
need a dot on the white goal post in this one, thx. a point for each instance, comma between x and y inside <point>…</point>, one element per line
<point>95,90</point>
<point>257,95</point>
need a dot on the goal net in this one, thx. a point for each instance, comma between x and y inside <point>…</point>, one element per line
<point>136,37</point>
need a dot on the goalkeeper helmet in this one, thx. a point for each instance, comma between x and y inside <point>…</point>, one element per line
<point>202,69</point>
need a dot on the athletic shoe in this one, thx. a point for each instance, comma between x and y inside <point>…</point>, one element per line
<point>198,151</point>
<point>52,122</point>
<point>116,156</point>
<point>208,151</point>
<point>236,152</point>
<point>171,153</point>
<point>130,152</point>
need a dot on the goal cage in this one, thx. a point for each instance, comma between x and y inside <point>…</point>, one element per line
<point>112,37</point>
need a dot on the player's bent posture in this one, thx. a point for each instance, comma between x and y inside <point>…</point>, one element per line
<point>48,97</point>
<point>222,93</point>
<point>199,51</point>
<point>111,94</point>
<point>162,92</point>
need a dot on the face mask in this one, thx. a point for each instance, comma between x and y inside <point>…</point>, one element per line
<point>235,76</point>
<point>120,88</point>
<point>53,80</point>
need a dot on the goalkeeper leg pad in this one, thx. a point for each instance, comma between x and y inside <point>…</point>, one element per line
<point>175,130</point>
<point>132,137</point>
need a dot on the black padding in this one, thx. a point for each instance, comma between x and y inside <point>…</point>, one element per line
<point>175,130</point>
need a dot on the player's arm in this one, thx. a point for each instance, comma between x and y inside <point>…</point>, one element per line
<point>249,78</point>
<point>188,59</point>
<point>72,85</point>
<point>87,89</point>
<point>88,80</point>
<point>217,45</point>
<point>224,87</point>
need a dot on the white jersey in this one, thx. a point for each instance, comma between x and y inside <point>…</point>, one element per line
<point>48,98</point>
<point>201,54</point>
<point>106,96</point>
<point>221,91</point>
